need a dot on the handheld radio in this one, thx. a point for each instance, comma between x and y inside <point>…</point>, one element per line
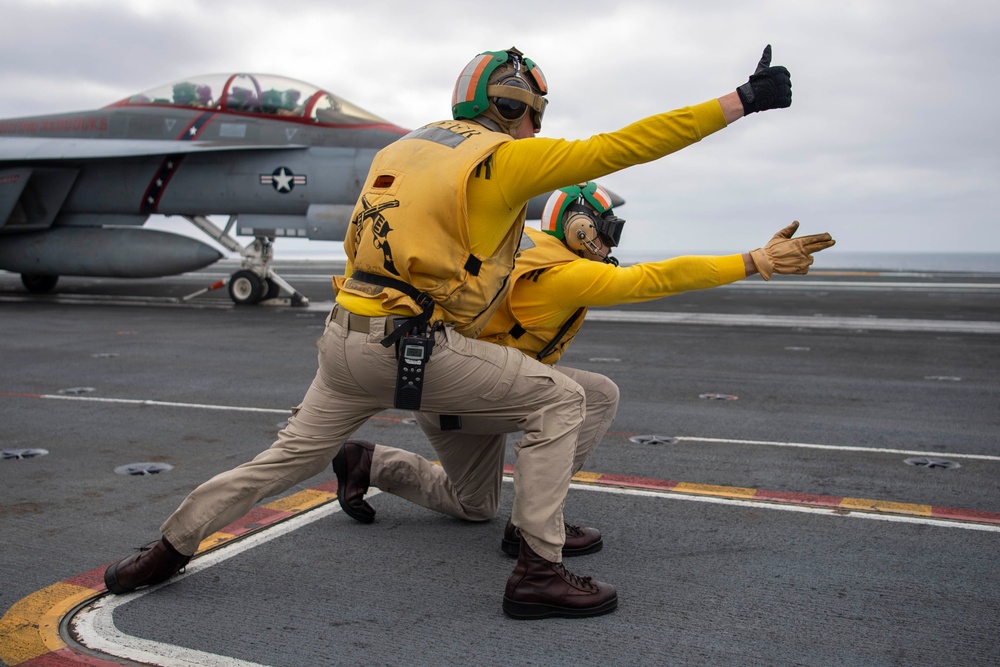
<point>414,353</point>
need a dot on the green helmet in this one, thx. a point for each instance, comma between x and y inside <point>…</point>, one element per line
<point>503,85</point>
<point>579,215</point>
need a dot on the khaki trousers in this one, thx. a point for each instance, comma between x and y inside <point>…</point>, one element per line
<point>356,379</point>
<point>467,483</point>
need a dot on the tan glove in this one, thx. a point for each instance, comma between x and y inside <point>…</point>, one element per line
<point>783,254</point>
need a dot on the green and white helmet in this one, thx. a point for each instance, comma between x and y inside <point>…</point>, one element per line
<point>581,217</point>
<point>501,86</point>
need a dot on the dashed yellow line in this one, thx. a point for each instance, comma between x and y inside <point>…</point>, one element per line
<point>886,506</point>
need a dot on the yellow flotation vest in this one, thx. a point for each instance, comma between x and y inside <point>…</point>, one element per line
<point>538,252</point>
<point>411,225</point>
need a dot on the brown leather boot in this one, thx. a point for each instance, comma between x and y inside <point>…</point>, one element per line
<point>579,540</point>
<point>151,564</point>
<point>353,465</point>
<point>539,589</point>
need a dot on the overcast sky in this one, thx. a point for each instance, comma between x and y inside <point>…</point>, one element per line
<point>891,143</point>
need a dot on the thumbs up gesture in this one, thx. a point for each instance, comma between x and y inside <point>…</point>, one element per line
<point>768,87</point>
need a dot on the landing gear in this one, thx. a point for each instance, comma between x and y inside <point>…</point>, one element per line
<point>39,283</point>
<point>246,287</point>
<point>273,289</point>
<point>256,281</point>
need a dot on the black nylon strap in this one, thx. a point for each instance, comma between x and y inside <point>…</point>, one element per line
<point>422,299</point>
<point>562,332</point>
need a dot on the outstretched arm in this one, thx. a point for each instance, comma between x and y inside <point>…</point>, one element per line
<point>783,254</point>
<point>585,282</point>
<point>528,167</point>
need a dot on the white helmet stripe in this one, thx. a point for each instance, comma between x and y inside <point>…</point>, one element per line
<point>550,214</point>
<point>465,87</point>
<point>602,196</point>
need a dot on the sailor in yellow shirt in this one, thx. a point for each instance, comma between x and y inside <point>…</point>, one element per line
<point>431,246</point>
<point>559,272</point>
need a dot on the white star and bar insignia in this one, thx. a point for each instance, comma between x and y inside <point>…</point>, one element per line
<point>282,179</point>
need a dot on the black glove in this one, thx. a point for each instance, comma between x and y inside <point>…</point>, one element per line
<point>768,87</point>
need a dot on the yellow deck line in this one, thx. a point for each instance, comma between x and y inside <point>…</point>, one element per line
<point>30,628</point>
<point>713,490</point>
<point>885,506</point>
<point>301,501</point>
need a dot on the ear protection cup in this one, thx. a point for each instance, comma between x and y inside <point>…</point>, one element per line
<point>506,107</point>
<point>581,217</point>
<point>578,230</point>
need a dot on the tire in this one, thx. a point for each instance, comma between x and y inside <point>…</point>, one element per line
<point>245,288</point>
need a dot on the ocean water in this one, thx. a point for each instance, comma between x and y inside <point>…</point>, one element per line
<point>909,262</point>
<point>961,262</point>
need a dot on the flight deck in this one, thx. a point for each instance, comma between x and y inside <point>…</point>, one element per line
<point>805,471</point>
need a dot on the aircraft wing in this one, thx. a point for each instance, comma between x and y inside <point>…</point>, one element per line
<point>21,149</point>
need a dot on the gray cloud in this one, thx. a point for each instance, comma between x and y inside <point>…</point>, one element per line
<point>891,143</point>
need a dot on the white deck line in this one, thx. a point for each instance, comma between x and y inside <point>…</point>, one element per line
<point>95,627</point>
<point>794,321</point>
<point>285,411</point>
<point>752,320</point>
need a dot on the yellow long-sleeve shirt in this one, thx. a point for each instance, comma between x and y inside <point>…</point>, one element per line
<point>522,169</point>
<point>553,288</point>
<point>561,290</point>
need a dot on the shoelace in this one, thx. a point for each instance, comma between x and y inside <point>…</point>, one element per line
<point>575,579</point>
<point>575,531</point>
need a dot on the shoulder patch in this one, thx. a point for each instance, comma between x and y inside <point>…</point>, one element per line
<point>436,134</point>
<point>446,133</point>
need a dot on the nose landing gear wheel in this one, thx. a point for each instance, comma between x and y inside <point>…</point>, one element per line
<point>245,288</point>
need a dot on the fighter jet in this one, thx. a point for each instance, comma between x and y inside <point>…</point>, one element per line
<point>279,157</point>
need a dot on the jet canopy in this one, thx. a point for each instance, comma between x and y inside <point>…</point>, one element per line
<point>258,94</point>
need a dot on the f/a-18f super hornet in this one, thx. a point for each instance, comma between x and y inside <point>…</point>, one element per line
<point>280,157</point>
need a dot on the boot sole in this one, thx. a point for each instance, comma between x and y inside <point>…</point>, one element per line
<point>357,516</point>
<point>527,611</point>
<point>512,548</point>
